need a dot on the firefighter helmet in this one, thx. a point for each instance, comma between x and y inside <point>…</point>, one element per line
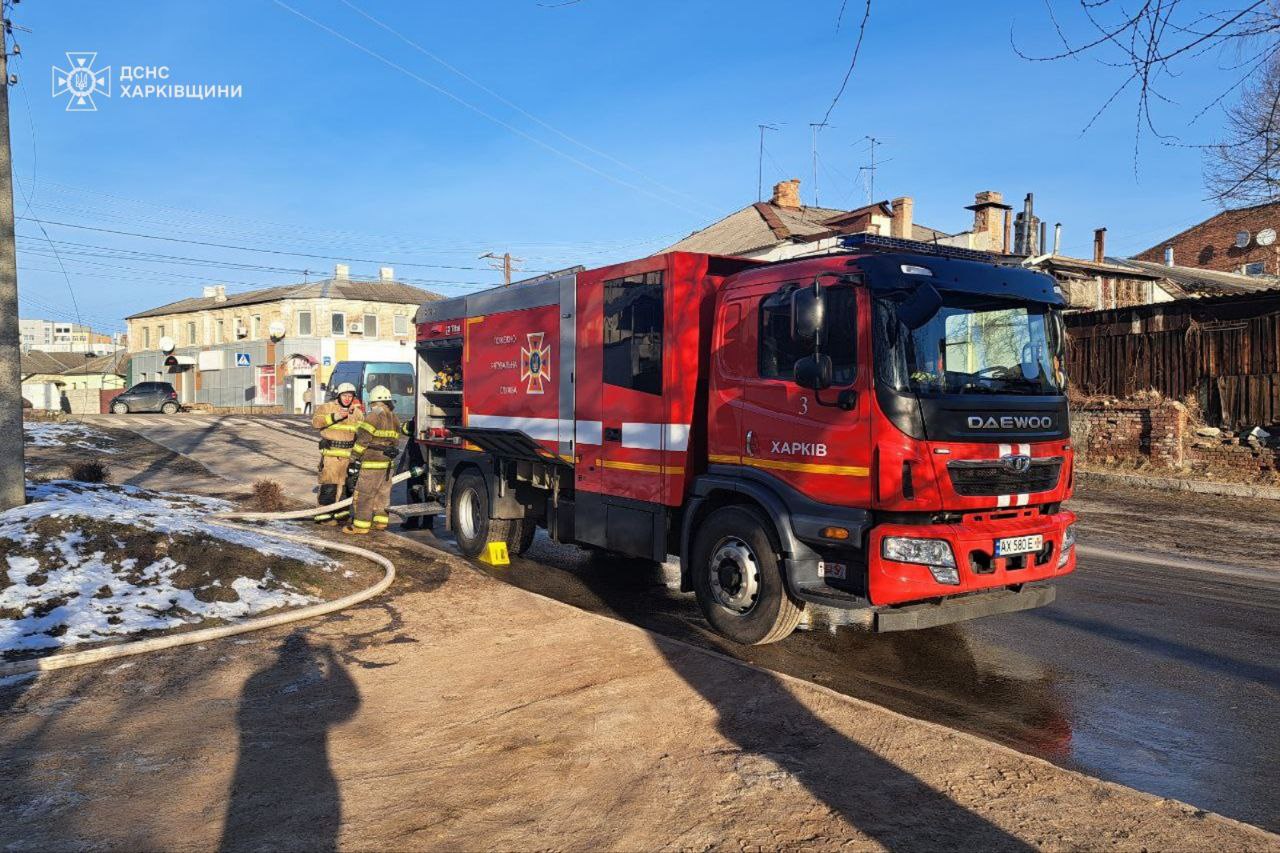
<point>346,388</point>
<point>380,394</point>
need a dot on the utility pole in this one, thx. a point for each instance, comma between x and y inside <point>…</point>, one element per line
<point>760,162</point>
<point>504,262</point>
<point>13,490</point>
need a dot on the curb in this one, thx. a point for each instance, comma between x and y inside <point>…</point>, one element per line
<point>1174,484</point>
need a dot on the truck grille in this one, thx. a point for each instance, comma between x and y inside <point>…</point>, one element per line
<point>975,479</point>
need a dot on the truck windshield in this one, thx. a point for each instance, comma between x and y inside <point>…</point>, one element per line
<point>973,345</point>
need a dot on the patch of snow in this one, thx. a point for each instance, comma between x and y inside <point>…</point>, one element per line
<point>17,679</point>
<point>153,602</point>
<point>55,434</point>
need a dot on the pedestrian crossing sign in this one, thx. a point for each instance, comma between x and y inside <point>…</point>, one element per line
<point>242,360</point>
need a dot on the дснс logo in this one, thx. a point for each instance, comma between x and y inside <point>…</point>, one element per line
<point>81,82</point>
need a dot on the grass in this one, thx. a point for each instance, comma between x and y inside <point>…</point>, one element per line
<point>268,496</point>
<point>90,471</point>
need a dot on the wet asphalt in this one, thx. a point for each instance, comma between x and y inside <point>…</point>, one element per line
<point>1151,673</point>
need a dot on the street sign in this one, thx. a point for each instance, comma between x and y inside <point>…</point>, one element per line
<point>242,360</point>
<point>327,361</point>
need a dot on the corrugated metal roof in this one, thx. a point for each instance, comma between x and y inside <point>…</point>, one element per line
<point>370,291</point>
<point>39,361</point>
<point>1196,280</point>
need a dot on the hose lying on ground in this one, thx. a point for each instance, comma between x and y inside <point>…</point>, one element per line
<point>201,635</point>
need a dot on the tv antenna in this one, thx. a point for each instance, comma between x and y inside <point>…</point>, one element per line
<point>760,162</point>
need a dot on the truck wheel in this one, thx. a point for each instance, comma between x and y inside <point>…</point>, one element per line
<point>469,514</point>
<point>521,537</point>
<point>738,579</point>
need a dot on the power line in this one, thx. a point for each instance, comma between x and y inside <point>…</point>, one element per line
<point>515,106</point>
<point>512,128</point>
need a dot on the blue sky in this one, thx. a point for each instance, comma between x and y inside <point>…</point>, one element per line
<point>646,130</point>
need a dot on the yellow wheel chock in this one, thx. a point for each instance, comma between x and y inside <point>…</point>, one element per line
<point>495,554</point>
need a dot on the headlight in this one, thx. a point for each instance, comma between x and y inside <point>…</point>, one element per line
<point>1068,542</point>
<point>928,552</point>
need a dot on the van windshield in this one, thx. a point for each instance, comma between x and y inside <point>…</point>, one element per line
<point>972,345</point>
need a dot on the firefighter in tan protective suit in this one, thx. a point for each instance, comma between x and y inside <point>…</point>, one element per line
<point>337,421</point>
<point>377,444</point>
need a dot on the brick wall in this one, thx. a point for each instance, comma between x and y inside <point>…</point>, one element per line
<point>1211,244</point>
<point>1160,437</point>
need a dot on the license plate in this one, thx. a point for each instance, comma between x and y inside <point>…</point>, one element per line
<point>1019,545</point>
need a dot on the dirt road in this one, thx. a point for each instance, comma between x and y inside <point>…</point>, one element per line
<point>1150,669</point>
<point>464,713</point>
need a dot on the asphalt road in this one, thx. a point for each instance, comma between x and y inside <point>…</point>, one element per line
<point>1154,671</point>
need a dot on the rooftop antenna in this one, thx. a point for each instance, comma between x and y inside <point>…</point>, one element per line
<point>760,162</point>
<point>815,126</point>
<point>871,171</point>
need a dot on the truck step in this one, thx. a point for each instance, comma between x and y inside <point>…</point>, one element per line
<point>410,510</point>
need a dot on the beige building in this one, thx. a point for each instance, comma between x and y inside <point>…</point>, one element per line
<point>267,347</point>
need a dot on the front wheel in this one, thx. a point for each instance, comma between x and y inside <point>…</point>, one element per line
<point>119,408</point>
<point>738,578</point>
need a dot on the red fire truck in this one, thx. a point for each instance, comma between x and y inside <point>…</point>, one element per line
<point>884,427</point>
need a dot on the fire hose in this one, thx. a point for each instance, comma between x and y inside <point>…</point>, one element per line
<point>227,519</point>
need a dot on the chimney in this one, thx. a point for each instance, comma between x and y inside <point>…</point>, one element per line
<point>787,194</point>
<point>903,210</point>
<point>1168,256</point>
<point>209,291</point>
<point>220,293</point>
<point>1099,245</point>
<point>1057,237</point>
<point>386,274</point>
<point>1044,237</point>
<point>342,272</point>
<point>989,221</point>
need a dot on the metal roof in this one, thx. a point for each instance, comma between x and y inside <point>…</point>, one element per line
<point>1195,280</point>
<point>333,288</point>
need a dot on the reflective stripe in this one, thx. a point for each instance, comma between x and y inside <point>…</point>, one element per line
<point>361,524</point>
<point>381,519</point>
<point>387,433</point>
<point>324,517</point>
<point>780,465</point>
<point>374,466</point>
<point>539,429</point>
<point>359,448</point>
<point>336,451</point>
<point>365,425</point>
<point>343,427</point>
<point>588,432</point>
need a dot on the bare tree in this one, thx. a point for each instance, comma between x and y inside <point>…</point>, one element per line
<point>1244,166</point>
<point>1151,42</point>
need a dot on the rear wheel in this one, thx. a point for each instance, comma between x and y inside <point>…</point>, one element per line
<point>738,578</point>
<point>169,408</point>
<point>120,408</point>
<point>521,536</point>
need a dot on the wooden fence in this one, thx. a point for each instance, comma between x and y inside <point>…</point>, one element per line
<point>1224,350</point>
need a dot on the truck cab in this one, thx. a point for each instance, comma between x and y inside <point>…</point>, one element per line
<point>884,428</point>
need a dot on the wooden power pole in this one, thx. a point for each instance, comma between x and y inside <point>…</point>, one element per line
<point>12,486</point>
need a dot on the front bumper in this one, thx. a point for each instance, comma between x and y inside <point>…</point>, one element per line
<point>973,543</point>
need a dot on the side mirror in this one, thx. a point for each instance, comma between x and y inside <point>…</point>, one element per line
<point>814,372</point>
<point>919,305</point>
<point>808,309</point>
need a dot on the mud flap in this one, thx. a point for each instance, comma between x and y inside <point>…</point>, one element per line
<point>912,617</point>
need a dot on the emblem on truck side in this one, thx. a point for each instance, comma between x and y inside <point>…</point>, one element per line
<point>535,363</point>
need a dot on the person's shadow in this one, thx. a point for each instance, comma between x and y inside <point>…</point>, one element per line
<point>284,794</point>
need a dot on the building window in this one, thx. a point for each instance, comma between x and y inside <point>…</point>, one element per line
<point>338,323</point>
<point>191,334</point>
<point>255,326</point>
<point>304,324</point>
<point>146,338</point>
<point>159,333</point>
<point>401,325</point>
<point>222,332</point>
<point>633,332</point>
<point>1255,268</point>
<point>370,325</point>
<point>779,353</point>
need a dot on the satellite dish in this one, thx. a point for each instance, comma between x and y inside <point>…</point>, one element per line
<point>166,344</point>
<point>276,329</point>
<point>1242,239</point>
<point>1266,236</point>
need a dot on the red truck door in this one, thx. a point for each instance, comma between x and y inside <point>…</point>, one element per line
<point>821,450</point>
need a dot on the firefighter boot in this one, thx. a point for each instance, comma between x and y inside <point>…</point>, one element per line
<point>328,495</point>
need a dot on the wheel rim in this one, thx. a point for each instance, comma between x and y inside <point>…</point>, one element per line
<point>735,575</point>
<point>469,519</point>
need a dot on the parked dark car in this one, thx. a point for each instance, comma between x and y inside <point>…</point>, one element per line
<point>147,397</point>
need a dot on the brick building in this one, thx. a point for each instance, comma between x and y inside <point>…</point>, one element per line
<point>1237,241</point>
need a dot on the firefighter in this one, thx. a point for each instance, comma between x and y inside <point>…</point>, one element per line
<point>377,444</point>
<point>337,421</point>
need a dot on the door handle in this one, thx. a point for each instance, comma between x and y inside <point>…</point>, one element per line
<point>613,434</point>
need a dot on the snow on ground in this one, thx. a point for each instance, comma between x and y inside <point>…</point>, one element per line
<point>98,595</point>
<point>55,434</point>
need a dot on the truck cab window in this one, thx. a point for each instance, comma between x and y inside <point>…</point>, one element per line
<point>633,332</point>
<point>779,353</point>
